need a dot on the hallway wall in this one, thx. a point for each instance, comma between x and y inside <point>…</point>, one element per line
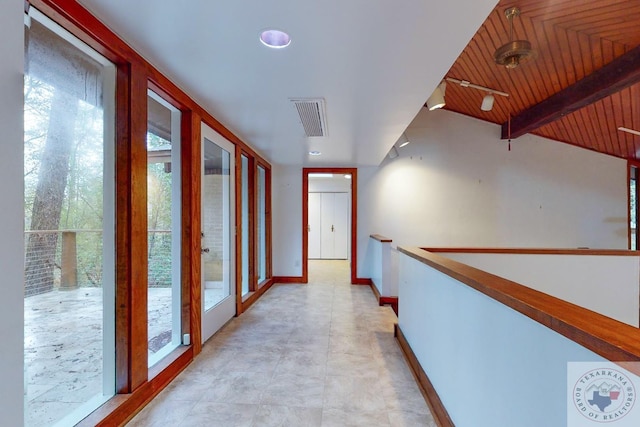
<point>456,184</point>
<point>11,214</point>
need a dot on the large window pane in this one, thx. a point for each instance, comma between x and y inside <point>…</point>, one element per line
<point>262,226</point>
<point>216,230</point>
<point>69,226</point>
<point>633,208</point>
<point>163,210</point>
<point>245,225</point>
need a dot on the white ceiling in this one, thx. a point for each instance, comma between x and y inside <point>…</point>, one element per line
<point>375,62</point>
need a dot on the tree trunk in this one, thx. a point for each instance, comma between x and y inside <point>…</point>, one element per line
<point>47,204</point>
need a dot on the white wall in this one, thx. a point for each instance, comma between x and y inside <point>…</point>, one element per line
<point>500,369</point>
<point>337,184</point>
<point>286,185</point>
<point>456,184</point>
<point>608,285</point>
<point>11,214</point>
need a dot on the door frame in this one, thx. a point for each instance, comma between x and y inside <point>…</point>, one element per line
<point>228,305</point>
<point>354,221</point>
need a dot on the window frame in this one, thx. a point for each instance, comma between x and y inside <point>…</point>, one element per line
<point>136,384</point>
<point>631,166</point>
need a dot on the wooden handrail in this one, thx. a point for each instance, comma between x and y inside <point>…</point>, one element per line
<point>611,339</point>
<point>536,251</point>
<point>380,238</point>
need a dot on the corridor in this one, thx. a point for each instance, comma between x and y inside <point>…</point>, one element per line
<point>321,354</point>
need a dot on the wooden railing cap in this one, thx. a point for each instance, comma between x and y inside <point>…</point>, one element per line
<point>611,339</point>
<point>380,238</point>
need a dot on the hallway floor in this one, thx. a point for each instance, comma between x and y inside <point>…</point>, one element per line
<point>321,354</point>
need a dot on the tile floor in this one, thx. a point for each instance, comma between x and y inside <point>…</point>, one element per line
<point>316,355</point>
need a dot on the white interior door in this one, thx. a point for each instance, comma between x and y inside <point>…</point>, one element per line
<point>333,211</point>
<point>218,240</point>
<point>327,238</point>
<point>315,203</point>
<point>340,225</point>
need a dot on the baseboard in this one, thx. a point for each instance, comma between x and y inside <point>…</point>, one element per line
<point>254,296</point>
<point>375,291</point>
<point>438,410</point>
<point>123,407</point>
<point>392,301</point>
<point>362,281</point>
<point>288,279</point>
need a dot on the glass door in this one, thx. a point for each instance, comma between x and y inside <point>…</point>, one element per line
<point>218,223</point>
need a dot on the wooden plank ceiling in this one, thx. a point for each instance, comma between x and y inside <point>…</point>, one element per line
<point>573,38</point>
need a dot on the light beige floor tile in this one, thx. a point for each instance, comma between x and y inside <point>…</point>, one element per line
<point>284,416</point>
<point>187,388</point>
<point>355,365</point>
<point>237,387</point>
<point>162,413</point>
<point>254,358</point>
<point>303,362</point>
<point>410,419</point>
<point>210,414</point>
<point>354,394</point>
<point>356,344</point>
<point>404,395</point>
<point>295,390</point>
<point>316,354</point>
<point>332,417</point>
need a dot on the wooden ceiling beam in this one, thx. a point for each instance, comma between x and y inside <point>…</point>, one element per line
<point>622,72</point>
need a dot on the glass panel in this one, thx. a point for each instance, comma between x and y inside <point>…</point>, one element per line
<point>69,226</point>
<point>633,212</point>
<point>262,228</point>
<point>216,237</point>
<point>163,211</point>
<point>245,225</point>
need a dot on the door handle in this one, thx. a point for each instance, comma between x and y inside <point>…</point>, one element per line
<point>204,250</point>
<point>332,228</point>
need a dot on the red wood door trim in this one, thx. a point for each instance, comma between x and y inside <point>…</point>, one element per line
<point>354,219</point>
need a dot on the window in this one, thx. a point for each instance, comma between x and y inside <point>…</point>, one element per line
<point>246,213</point>
<point>163,212</point>
<point>262,226</point>
<point>69,226</point>
<point>633,209</point>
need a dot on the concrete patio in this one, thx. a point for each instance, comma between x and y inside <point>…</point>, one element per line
<point>64,343</point>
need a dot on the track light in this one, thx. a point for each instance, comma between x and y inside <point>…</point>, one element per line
<point>404,141</point>
<point>489,98</point>
<point>487,102</point>
<point>436,100</point>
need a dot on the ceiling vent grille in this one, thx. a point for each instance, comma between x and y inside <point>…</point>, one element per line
<point>312,115</point>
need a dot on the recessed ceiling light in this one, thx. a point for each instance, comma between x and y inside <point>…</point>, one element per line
<point>275,39</point>
<point>314,153</point>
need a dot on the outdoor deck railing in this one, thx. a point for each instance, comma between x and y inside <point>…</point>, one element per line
<point>68,259</point>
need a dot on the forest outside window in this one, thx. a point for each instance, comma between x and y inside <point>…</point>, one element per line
<point>69,288</point>
<point>633,208</point>
<point>163,211</point>
<point>261,252</point>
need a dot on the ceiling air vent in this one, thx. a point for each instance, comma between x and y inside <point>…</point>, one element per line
<point>312,115</point>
